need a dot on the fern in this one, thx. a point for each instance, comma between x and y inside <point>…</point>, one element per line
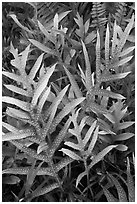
<point>98,15</point>
<point>30,113</point>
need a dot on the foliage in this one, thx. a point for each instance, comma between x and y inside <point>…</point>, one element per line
<point>68,120</point>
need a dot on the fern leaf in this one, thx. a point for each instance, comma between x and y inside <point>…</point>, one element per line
<point>45,190</point>
<point>73,145</point>
<point>23,60</point>
<point>17,90</point>
<point>66,110</point>
<point>122,61</point>
<point>126,51</point>
<point>43,99</point>
<point>29,151</point>
<point>71,154</point>
<point>46,33</point>
<point>121,193</point>
<point>73,83</point>
<point>114,77</point>
<point>124,125</point>
<point>59,138</point>
<point>80,176</point>
<point>43,47</point>
<point>17,136</point>
<point>130,184</point>
<point>89,133</point>
<point>13,76</point>
<point>107,47</point>
<point>60,17</point>
<point>13,16</point>
<point>19,170</point>
<point>97,108</point>
<point>101,155</point>
<point>103,92</point>
<point>10,127</point>
<point>35,67</point>
<point>125,35</point>
<point>42,84</point>
<point>19,114</point>
<point>23,105</point>
<point>43,146</point>
<point>57,101</point>
<point>124,136</point>
<point>93,141</point>
<point>63,163</point>
<point>114,39</point>
<point>98,62</point>
<point>88,69</point>
<point>109,196</point>
<point>25,171</point>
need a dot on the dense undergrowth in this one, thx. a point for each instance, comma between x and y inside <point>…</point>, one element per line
<point>68,102</point>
